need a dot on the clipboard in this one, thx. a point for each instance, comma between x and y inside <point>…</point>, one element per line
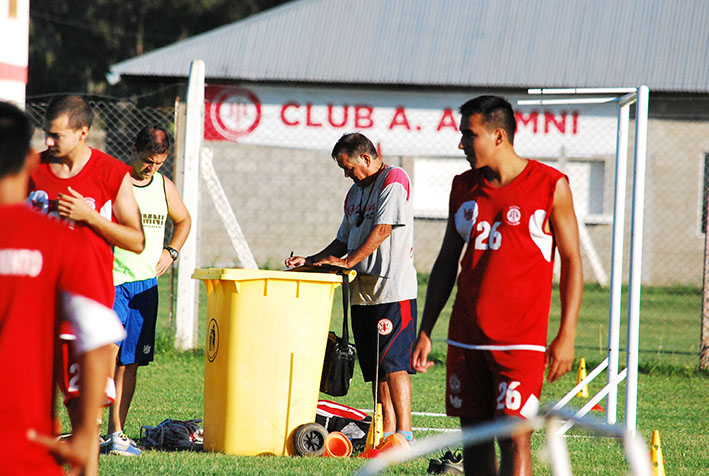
<point>327,268</point>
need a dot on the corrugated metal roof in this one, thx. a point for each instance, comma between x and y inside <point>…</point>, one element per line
<point>456,43</point>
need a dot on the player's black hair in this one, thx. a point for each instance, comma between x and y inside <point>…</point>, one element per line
<point>76,107</point>
<point>15,136</point>
<point>496,112</point>
<point>153,139</point>
<point>353,145</point>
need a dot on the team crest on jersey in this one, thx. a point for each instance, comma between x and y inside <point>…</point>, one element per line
<point>91,201</point>
<point>513,215</point>
<point>454,383</point>
<point>384,326</point>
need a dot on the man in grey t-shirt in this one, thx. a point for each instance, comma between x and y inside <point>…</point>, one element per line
<point>376,238</point>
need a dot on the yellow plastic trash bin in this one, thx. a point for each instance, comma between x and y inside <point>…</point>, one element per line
<point>265,345</point>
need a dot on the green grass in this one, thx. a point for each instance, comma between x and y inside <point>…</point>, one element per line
<point>673,397</point>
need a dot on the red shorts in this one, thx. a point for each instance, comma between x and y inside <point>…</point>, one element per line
<point>484,384</point>
<point>70,371</point>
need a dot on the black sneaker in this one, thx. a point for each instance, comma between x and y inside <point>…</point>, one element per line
<point>434,466</point>
<point>452,463</point>
<point>449,463</point>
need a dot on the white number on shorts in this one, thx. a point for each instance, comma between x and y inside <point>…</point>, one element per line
<point>482,243</point>
<point>74,380</point>
<point>509,397</point>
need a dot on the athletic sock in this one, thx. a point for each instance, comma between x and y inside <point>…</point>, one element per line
<point>386,435</point>
<point>408,434</point>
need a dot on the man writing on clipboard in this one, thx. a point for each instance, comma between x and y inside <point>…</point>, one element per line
<point>376,239</point>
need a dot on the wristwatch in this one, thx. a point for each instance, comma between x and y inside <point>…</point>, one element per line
<point>173,253</point>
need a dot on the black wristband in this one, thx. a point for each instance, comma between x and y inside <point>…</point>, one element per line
<point>174,254</point>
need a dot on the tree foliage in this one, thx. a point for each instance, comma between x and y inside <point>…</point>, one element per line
<point>74,42</point>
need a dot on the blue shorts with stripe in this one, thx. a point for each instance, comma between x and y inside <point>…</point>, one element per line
<point>396,324</point>
<point>136,304</point>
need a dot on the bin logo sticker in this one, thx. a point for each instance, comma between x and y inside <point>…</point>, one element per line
<point>212,340</point>
<point>385,327</point>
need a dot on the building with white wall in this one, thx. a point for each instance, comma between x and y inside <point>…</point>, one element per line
<point>283,85</point>
<point>14,48</point>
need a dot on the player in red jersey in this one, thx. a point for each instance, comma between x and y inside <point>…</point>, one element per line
<point>43,274</point>
<point>509,214</point>
<point>86,187</point>
<point>92,192</point>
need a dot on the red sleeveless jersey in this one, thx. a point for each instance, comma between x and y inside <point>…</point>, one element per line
<point>504,286</point>
<point>99,182</point>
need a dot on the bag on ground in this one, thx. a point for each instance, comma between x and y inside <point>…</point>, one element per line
<point>173,435</point>
<point>350,421</point>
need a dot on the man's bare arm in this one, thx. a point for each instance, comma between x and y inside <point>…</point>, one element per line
<point>180,216</point>
<point>560,354</point>
<point>335,248</point>
<point>375,238</point>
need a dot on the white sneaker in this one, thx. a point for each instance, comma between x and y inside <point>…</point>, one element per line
<point>120,444</point>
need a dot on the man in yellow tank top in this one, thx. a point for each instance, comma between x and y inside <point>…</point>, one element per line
<point>135,275</point>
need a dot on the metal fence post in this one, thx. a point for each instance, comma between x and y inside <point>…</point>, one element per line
<point>704,336</point>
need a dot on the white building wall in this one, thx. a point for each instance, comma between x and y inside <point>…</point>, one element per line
<point>14,38</point>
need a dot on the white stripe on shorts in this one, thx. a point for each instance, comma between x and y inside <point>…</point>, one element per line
<point>535,348</point>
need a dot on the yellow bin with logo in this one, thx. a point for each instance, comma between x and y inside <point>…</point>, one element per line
<point>265,346</point>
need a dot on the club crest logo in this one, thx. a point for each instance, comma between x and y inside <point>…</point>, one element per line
<point>385,327</point>
<point>454,383</point>
<point>513,215</point>
<point>212,340</point>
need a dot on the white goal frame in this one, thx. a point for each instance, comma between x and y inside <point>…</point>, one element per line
<point>556,452</point>
<point>624,98</point>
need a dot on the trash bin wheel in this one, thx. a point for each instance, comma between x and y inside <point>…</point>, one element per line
<point>309,439</point>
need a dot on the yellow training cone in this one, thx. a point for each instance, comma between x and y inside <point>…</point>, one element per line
<point>658,467</point>
<point>582,375</point>
<point>376,430</point>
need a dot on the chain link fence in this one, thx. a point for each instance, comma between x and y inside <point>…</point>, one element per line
<point>273,163</point>
<point>115,126</point>
<point>272,153</point>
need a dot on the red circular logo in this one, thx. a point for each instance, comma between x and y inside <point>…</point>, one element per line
<point>385,327</point>
<point>235,112</point>
<point>513,215</point>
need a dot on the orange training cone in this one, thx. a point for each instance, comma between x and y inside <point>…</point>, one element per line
<point>393,441</point>
<point>337,445</point>
<point>583,393</point>
<point>658,467</point>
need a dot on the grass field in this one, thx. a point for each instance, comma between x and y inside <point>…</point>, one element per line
<point>673,398</point>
